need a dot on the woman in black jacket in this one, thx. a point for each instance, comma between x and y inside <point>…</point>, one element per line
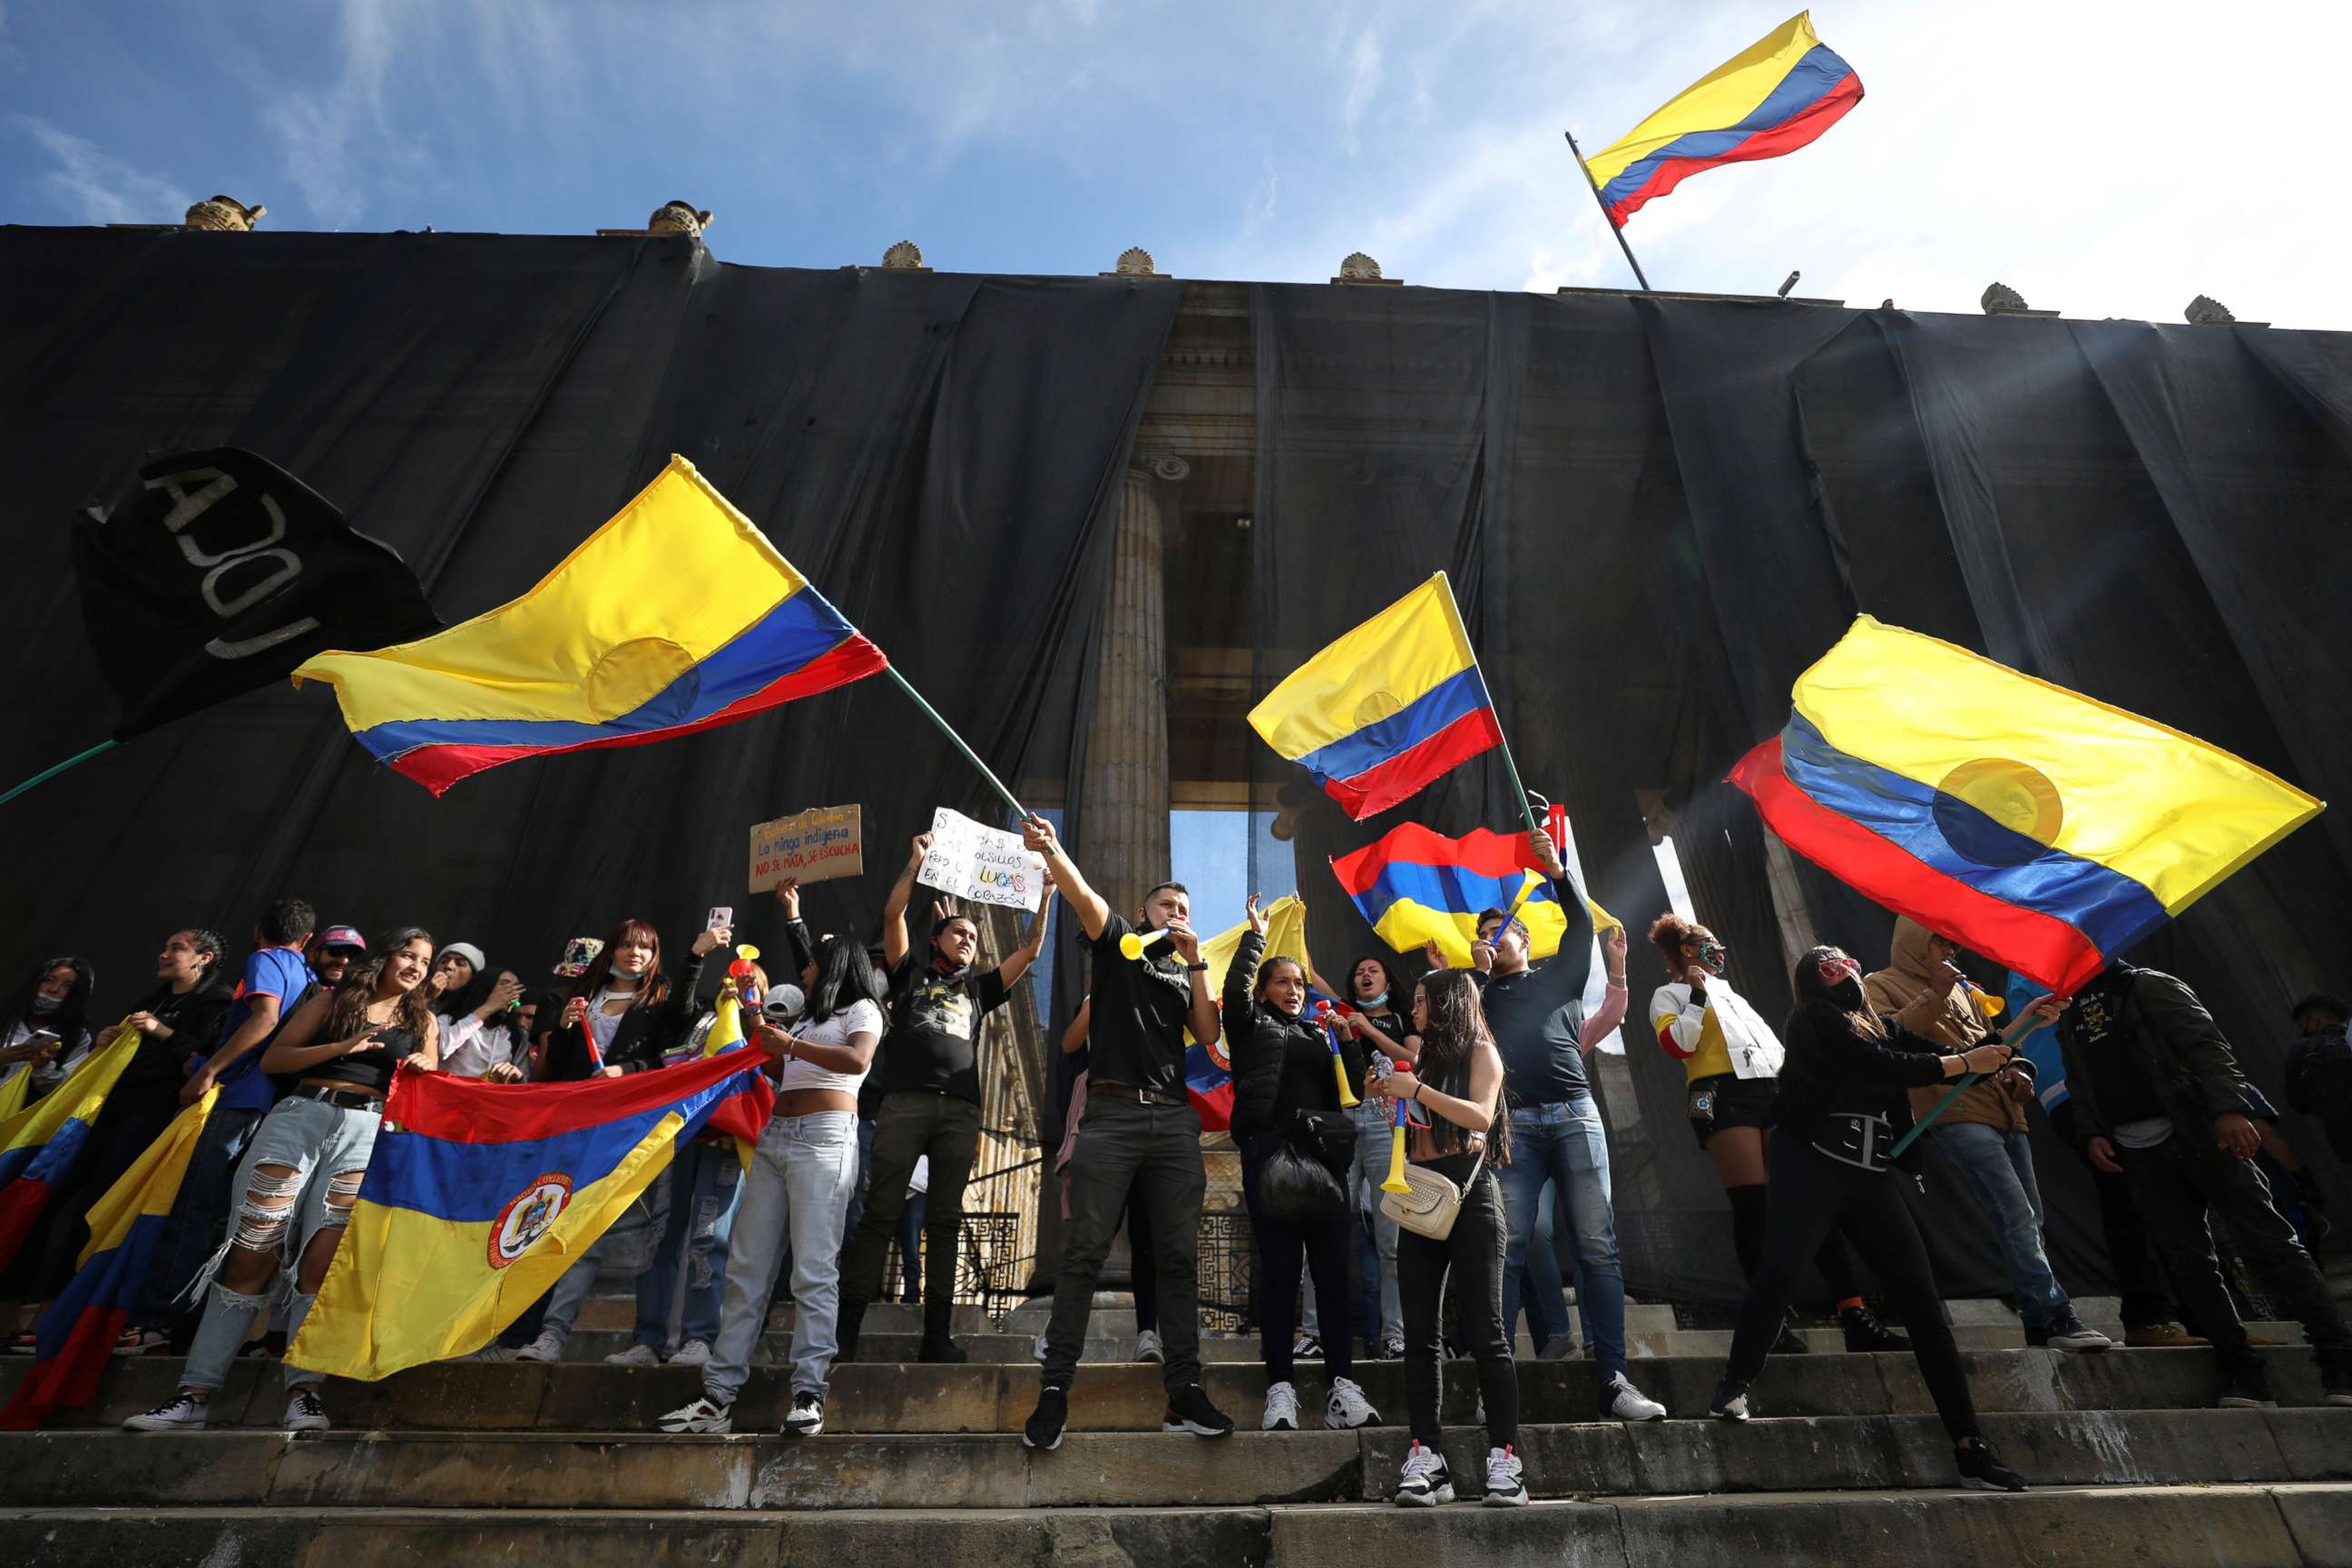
<point>1285,1091</point>
<point>1843,1100</point>
<point>626,1007</point>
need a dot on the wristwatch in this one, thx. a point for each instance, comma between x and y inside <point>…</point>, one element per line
<point>1195,968</point>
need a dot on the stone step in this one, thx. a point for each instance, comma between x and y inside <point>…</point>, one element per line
<point>620,1313</point>
<point>2229,1526</point>
<point>262,1468</point>
<point>897,1398</point>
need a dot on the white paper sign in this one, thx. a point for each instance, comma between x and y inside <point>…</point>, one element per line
<point>971,860</point>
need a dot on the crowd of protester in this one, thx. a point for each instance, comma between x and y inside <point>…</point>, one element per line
<point>877,1124</point>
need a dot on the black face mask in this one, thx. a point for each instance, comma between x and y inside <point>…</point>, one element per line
<point>1848,993</point>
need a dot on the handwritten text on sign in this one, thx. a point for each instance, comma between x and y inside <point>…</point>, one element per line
<point>985,864</point>
<point>817,845</point>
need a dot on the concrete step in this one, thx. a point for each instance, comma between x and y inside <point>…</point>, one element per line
<point>2284,1526</point>
<point>261,1469</point>
<point>620,1313</point>
<point>897,1398</point>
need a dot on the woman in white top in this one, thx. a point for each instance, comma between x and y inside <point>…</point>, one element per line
<point>45,1032</point>
<point>797,1192</point>
<point>480,1034</point>
<point>1731,1063</point>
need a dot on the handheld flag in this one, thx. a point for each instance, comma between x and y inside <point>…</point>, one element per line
<point>478,1196</point>
<point>1414,886</point>
<point>15,1093</point>
<point>218,572</point>
<point>1209,1069</point>
<point>1391,706</point>
<point>41,1144</point>
<point>1776,97</point>
<point>676,616</point>
<point>2042,828</point>
<point>77,1329</point>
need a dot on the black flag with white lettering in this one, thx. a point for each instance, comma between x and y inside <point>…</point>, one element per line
<point>218,572</point>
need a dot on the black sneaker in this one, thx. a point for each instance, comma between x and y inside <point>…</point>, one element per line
<point>2248,1387</point>
<point>1731,1402</point>
<point>1981,1471</point>
<point>2068,1333</point>
<point>807,1417</point>
<point>1045,1425</point>
<point>1863,1332</point>
<point>943,1351</point>
<point>1190,1411</point>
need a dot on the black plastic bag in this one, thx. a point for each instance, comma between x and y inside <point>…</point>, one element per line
<point>1297,1188</point>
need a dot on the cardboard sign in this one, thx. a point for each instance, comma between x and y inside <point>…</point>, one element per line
<point>986,865</point>
<point>817,845</point>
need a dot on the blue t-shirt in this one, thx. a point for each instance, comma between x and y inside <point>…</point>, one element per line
<point>279,972</point>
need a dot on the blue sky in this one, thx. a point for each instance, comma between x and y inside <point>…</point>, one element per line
<point>2107,159</point>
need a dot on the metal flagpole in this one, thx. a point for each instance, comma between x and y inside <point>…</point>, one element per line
<point>969,754</point>
<point>51,772</point>
<point>1594,185</point>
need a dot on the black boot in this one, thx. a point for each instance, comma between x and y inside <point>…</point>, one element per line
<point>1863,1332</point>
<point>938,1343</point>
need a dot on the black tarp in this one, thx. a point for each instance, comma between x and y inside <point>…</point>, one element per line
<point>1657,512</point>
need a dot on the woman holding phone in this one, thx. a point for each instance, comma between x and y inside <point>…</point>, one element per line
<point>47,1032</point>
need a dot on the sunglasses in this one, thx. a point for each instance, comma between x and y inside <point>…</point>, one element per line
<point>338,950</point>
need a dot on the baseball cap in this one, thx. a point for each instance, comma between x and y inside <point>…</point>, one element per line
<point>343,936</point>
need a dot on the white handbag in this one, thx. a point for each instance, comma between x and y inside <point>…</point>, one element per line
<point>1431,1202</point>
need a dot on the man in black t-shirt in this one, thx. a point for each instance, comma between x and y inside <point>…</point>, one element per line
<point>1139,1131</point>
<point>929,1079</point>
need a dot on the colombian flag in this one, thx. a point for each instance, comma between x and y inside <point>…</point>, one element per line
<point>40,1145</point>
<point>1209,1069</point>
<point>1392,705</point>
<point>1779,95</point>
<point>78,1330</point>
<point>478,1196</point>
<point>1415,886</point>
<point>2043,829</point>
<point>676,616</point>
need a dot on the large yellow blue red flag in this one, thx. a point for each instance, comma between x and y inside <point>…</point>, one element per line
<point>1415,886</point>
<point>42,1143</point>
<point>77,1329</point>
<point>676,616</point>
<point>1782,93</point>
<point>1395,703</point>
<point>1209,1069</point>
<point>2041,827</point>
<point>478,1196</point>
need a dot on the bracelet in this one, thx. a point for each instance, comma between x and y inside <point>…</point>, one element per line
<point>1196,968</point>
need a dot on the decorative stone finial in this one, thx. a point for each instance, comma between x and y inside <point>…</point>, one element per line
<point>1136,262</point>
<point>1360,269</point>
<point>225,215</point>
<point>2207,311</point>
<point>678,217</point>
<point>903,257</point>
<point>2001,300</point>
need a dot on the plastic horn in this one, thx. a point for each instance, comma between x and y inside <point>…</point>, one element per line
<point>1348,1100</point>
<point>1131,946</point>
<point>1396,1182</point>
<point>1993,1006</point>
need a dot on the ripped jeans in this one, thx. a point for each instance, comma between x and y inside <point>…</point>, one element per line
<point>326,1147</point>
<point>704,1184</point>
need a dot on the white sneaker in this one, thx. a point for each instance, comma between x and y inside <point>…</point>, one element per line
<point>1146,1346</point>
<point>1393,1349</point>
<point>493,1351</point>
<point>702,1415</point>
<point>694,1352</point>
<point>1506,1484</point>
<point>304,1413</point>
<point>807,1417</point>
<point>1425,1483</point>
<point>183,1412</point>
<point>1281,1409</point>
<point>1348,1408</point>
<point>638,1354</point>
<point>1626,1403</point>
<point>548,1346</point>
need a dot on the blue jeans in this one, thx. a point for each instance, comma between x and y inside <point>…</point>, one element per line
<point>1370,1167</point>
<point>1542,1289</point>
<point>703,1189</point>
<point>1999,1168</point>
<point>1564,1142</point>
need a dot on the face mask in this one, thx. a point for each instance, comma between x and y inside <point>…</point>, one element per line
<point>1712,955</point>
<point>44,1004</point>
<point>1371,1003</point>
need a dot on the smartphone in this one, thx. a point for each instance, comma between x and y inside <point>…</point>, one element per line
<point>720,915</point>
<point>44,1040</point>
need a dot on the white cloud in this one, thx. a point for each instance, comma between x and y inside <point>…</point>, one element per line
<point>1363,84</point>
<point>94,187</point>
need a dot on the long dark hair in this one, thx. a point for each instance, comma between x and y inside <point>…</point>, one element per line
<point>1265,973</point>
<point>476,992</point>
<point>653,985</point>
<point>1818,1007</point>
<point>206,943</point>
<point>70,1019</point>
<point>1400,997</point>
<point>347,1012</point>
<point>845,977</point>
<point>1457,1028</point>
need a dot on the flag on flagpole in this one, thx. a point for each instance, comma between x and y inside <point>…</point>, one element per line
<point>676,616</point>
<point>478,1196</point>
<point>1777,96</point>
<point>1209,1069</point>
<point>1391,706</point>
<point>1414,886</point>
<point>42,1143</point>
<point>2040,827</point>
<point>77,1329</point>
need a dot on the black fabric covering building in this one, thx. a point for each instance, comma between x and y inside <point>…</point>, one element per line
<point>1655,512</point>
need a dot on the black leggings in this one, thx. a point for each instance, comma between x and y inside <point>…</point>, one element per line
<point>1322,1247</point>
<point>1810,1194</point>
<point>1749,1206</point>
<point>1474,1254</point>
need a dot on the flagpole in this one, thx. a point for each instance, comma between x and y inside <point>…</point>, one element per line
<point>1614,227</point>
<point>969,754</point>
<point>48,774</point>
